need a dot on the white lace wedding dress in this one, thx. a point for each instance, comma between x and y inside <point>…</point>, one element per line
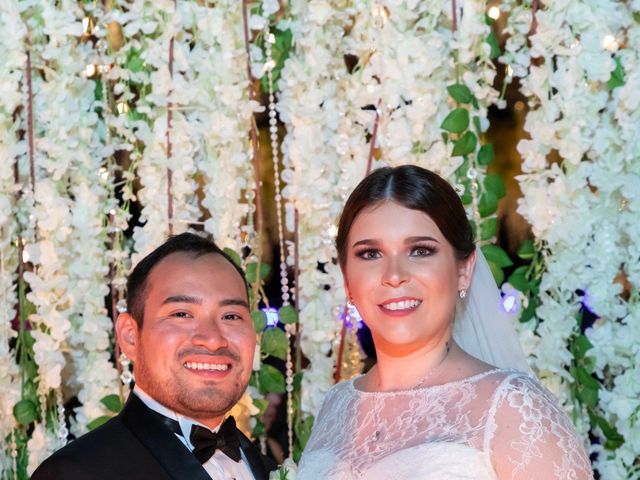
<point>500,424</point>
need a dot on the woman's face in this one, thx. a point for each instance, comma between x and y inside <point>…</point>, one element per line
<point>403,277</point>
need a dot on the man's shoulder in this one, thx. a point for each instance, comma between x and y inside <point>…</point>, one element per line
<point>84,456</point>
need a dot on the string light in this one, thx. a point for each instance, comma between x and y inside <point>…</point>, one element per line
<point>509,71</point>
<point>610,43</point>
<point>122,107</point>
<point>494,12</point>
<point>90,70</point>
<point>86,25</point>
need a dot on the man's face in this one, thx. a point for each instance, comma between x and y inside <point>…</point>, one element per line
<point>194,352</point>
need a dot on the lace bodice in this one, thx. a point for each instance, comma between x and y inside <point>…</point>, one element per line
<point>499,424</point>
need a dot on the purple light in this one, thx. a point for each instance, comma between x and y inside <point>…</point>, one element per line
<point>510,304</point>
<point>272,316</point>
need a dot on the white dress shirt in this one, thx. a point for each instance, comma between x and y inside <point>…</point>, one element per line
<point>219,466</point>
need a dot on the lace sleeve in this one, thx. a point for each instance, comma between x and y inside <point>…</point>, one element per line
<point>530,436</point>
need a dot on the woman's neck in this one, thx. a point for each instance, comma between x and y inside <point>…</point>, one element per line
<point>415,369</point>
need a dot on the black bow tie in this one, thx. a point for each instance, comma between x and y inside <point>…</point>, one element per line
<point>205,442</point>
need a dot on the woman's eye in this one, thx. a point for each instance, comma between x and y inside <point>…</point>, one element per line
<point>421,252</point>
<point>368,254</point>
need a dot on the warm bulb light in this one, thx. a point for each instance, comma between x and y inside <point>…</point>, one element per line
<point>610,43</point>
<point>494,12</point>
<point>90,70</point>
<point>122,107</point>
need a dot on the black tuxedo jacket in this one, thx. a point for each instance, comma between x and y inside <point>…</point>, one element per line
<point>135,445</point>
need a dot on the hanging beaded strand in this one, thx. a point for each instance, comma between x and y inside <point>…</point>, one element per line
<point>284,279</point>
<point>63,431</point>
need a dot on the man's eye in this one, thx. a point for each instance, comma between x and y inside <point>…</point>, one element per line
<point>369,254</point>
<point>181,314</point>
<point>231,316</point>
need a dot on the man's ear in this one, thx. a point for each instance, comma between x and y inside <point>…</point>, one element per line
<point>465,271</point>
<point>128,335</point>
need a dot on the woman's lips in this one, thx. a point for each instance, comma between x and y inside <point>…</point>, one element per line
<point>400,306</point>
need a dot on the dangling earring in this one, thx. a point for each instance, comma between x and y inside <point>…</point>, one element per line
<point>462,293</point>
<point>126,377</point>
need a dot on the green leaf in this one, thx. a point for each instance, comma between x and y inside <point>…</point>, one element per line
<point>30,369</point>
<point>258,430</point>
<point>587,396</point>
<point>288,314</point>
<point>497,255</point>
<point>581,345</point>
<point>466,197</point>
<point>488,228</point>
<point>274,342</point>
<point>25,412</point>
<point>93,424</point>
<point>527,250</point>
<point>614,439</point>
<point>586,379</point>
<point>617,76</point>
<point>302,429</point>
<point>498,274</point>
<point>460,93</point>
<point>134,61</point>
<point>485,154</point>
<point>488,203</point>
<point>252,269</point>
<point>457,121</point>
<point>271,379</point>
<point>494,183</point>
<point>465,145</point>
<point>492,40</point>
<point>261,404</point>
<point>476,124</point>
<point>112,402</point>
<point>518,279</point>
<point>233,255</point>
<point>529,312</point>
<point>259,320</point>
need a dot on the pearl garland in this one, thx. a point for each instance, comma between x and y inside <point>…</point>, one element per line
<point>284,279</point>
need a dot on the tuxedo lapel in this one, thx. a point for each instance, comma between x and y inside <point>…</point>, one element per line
<point>167,449</point>
<point>253,458</point>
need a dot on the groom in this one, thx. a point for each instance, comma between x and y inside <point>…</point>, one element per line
<point>190,336</point>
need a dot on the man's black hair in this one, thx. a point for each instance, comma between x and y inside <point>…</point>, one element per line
<point>185,242</point>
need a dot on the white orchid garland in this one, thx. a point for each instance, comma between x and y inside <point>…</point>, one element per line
<point>220,116</point>
<point>12,61</point>
<point>402,55</point>
<point>583,94</point>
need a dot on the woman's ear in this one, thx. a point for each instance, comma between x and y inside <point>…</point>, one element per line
<point>127,335</point>
<point>465,271</point>
<point>347,292</point>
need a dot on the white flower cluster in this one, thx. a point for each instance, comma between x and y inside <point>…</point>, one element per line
<point>348,60</point>
<point>585,207</point>
<point>220,117</point>
<point>309,107</point>
<point>12,62</point>
<point>154,56</point>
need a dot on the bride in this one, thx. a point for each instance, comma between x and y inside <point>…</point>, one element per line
<point>447,399</point>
